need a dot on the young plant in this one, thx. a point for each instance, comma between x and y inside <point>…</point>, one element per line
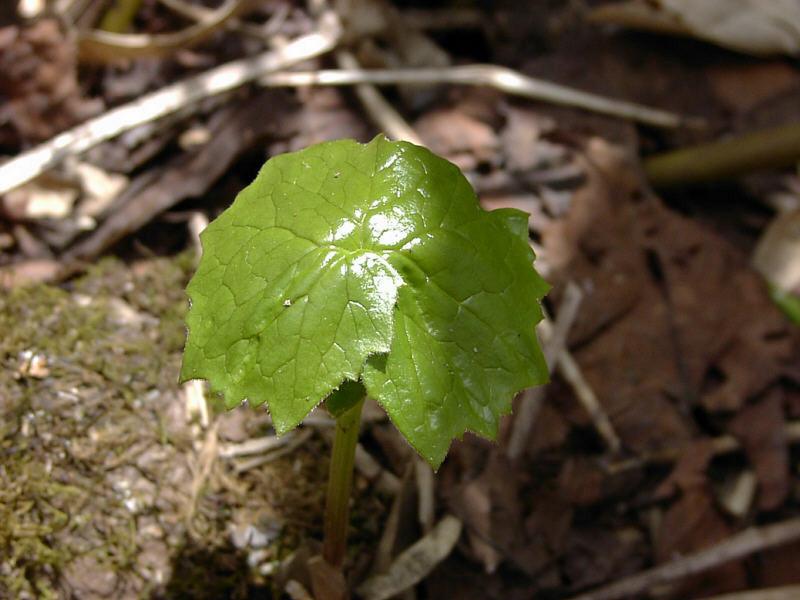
<point>347,270</point>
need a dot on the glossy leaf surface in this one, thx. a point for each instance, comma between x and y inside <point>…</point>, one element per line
<point>374,261</point>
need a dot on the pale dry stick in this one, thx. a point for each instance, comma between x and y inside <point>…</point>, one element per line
<point>426,507</point>
<point>789,592</point>
<point>106,46</point>
<point>724,444</point>
<point>501,78</point>
<point>532,398</point>
<point>195,401</point>
<point>206,458</point>
<point>195,12</point>
<point>379,109</point>
<point>197,223</point>
<point>252,463</point>
<point>297,591</point>
<point>385,549</point>
<point>384,481</point>
<point>165,101</point>
<point>366,464</point>
<point>257,445</point>
<point>198,12</point>
<point>572,374</point>
<point>741,545</point>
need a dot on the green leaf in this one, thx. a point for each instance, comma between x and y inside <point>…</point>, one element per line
<point>348,261</point>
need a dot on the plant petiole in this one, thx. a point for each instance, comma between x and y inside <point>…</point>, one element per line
<point>340,480</point>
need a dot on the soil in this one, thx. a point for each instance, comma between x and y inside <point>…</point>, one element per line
<point>116,481</point>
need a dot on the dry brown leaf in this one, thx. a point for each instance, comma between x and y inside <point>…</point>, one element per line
<point>780,566</point>
<point>689,473</point>
<point>595,555</point>
<point>38,82</point>
<point>491,510</point>
<point>459,137</point>
<point>761,428</point>
<point>744,87</point>
<point>650,344</point>
<point>749,26</point>
<point>327,582</point>
<point>690,524</point>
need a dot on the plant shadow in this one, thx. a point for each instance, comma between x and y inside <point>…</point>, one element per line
<point>211,573</point>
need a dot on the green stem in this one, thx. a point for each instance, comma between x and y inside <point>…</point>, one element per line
<point>340,481</point>
<point>119,17</point>
<point>733,157</point>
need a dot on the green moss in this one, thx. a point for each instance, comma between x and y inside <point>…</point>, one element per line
<point>106,394</point>
<point>101,343</point>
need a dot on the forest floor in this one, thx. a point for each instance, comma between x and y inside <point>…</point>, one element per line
<point>668,437</point>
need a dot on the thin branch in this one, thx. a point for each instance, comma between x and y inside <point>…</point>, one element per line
<point>789,592</point>
<point>502,78</point>
<point>741,545</point>
<point>165,101</point>
<point>571,372</point>
<point>240,466</point>
<point>532,399</point>
<point>377,107</point>
<point>103,46</point>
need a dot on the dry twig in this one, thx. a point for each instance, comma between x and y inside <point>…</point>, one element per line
<point>99,45</point>
<point>425,494</point>
<point>205,463</point>
<point>258,445</point>
<point>378,108</point>
<point>572,374</point>
<point>789,592</point>
<point>501,78</point>
<point>749,541</point>
<point>532,398</point>
<point>251,463</point>
<point>384,481</point>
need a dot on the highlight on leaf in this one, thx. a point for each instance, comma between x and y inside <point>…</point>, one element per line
<point>370,263</point>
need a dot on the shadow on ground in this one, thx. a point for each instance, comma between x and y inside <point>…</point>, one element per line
<point>219,573</point>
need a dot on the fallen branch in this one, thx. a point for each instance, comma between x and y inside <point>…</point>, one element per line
<point>749,541</point>
<point>502,78</point>
<point>789,592</point>
<point>236,129</point>
<point>377,107</point>
<point>383,480</point>
<point>258,445</point>
<point>553,347</point>
<point>165,101</point>
<point>572,374</point>
<point>251,463</point>
<point>206,458</point>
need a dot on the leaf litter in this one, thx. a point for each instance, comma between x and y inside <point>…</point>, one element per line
<point>677,337</point>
